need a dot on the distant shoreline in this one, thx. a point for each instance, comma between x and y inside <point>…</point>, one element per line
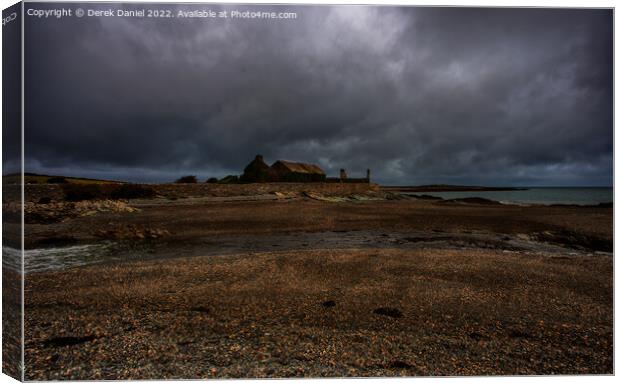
<point>447,188</point>
<point>35,178</point>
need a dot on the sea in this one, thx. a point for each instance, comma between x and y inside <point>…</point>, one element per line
<point>537,195</point>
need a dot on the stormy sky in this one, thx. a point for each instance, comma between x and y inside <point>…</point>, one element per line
<point>418,95</point>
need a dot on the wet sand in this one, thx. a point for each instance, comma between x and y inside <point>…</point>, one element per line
<point>300,287</point>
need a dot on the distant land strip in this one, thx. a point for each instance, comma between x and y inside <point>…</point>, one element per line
<point>446,188</point>
<point>34,178</point>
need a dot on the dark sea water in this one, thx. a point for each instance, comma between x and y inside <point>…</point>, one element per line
<point>544,196</point>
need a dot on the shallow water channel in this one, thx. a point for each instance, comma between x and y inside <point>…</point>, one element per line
<point>57,258</point>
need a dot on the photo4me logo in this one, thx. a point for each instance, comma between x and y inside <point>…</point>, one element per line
<point>9,18</point>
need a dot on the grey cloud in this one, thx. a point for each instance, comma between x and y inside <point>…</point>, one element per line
<point>419,95</point>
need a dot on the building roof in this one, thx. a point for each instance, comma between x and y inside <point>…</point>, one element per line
<point>299,167</point>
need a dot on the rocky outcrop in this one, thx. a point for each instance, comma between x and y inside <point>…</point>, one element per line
<point>51,212</point>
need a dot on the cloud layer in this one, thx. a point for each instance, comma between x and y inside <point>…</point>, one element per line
<point>419,95</point>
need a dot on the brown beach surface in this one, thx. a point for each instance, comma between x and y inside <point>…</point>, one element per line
<point>323,313</point>
<point>414,287</point>
<point>196,219</point>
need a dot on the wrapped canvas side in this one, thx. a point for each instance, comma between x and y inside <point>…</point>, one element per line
<point>12,193</point>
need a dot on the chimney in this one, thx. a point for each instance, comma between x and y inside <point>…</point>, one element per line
<point>259,158</point>
<point>368,175</point>
<point>343,174</point>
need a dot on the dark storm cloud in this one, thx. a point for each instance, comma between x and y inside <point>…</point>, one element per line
<point>419,95</point>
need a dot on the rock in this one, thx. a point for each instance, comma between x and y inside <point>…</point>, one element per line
<point>389,311</point>
<point>427,197</point>
<point>62,240</point>
<point>62,341</point>
<point>398,364</point>
<point>132,232</point>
